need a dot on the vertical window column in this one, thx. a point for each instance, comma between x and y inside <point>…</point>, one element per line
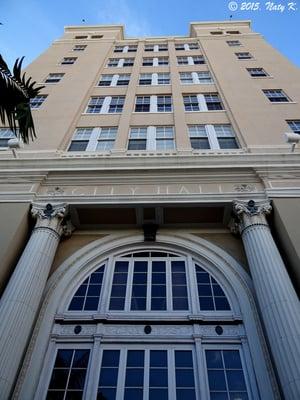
<point>181,133</point>
<point>153,104</point>
<point>124,122</point>
<point>202,102</point>
<point>155,62</point>
<point>190,61</point>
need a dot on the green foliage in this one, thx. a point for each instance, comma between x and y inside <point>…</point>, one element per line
<point>15,94</point>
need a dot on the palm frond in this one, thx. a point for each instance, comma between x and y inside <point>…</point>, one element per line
<point>15,94</point>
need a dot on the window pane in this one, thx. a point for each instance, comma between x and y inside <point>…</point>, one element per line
<point>117,300</point>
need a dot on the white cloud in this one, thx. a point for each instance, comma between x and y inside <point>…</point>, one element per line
<point>120,12</point>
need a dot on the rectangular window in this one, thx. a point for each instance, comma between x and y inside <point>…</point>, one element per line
<point>106,138</point>
<point>204,77</point>
<point>216,33</point>
<point>182,61</point>
<point>198,137</point>
<point>54,78</point>
<point>163,79</point>
<point>37,101</point>
<point>233,43</point>
<point>118,49</point>
<point>5,135</point>
<point>233,32</point>
<point>163,47</point>
<point>147,62</point>
<point>145,79</point>
<point>137,138</point>
<point>163,61</point>
<point>96,36</point>
<point>79,47</point>
<point>193,46</point>
<point>213,101</point>
<point>142,104</point>
<point>69,373</point>
<point>105,80</point>
<point>165,138</point>
<point>220,136</point>
<point>257,72</point>
<point>161,138</point>
<point>95,105</point>
<point>128,62</point>
<point>186,78</point>
<point>132,48</point>
<point>198,60</point>
<point>225,374</point>
<point>149,47</point>
<point>81,139</point>
<point>225,136</point>
<point>81,37</point>
<point>191,103</point>
<point>276,95</point>
<point>294,125</point>
<point>164,103</point>
<point>123,80</point>
<point>116,104</point>
<point>179,46</point>
<point>243,56</point>
<point>113,62</point>
<point>147,373</point>
<point>68,60</point>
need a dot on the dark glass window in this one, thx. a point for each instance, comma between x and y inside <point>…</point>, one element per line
<point>184,373</point>
<point>108,379</point>
<point>213,101</point>
<point>276,95</point>
<point>210,293</point>
<point>225,375</point>
<point>68,375</point>
<point>87,296</point>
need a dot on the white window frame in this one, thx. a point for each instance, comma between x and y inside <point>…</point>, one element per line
<point>276,93</point>
<point>95,137</point>
<point>113,79</point>
<point>186,46</point>
<point>65,61</point>
<point>54,78</point>
<point>155,78</point>
<point>234,43</point>
<point>264,74</point>
<point>195,78</point>
<point>79,47</point>
<point>151,136</point>
<point>294,125</point>
<point>212,135</point>
<point>37,101</point>
<point>105,107</point>
<point>190,60</point>
<point>154,103</point>
<point>244,55</point>
<point>120,62</point>
<point>156,61</point>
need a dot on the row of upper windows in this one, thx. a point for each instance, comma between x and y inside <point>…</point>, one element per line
<point>144,138</point>
<point>156,47</point>
<point>151,138</point>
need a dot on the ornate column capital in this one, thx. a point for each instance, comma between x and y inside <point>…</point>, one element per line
<point>51,216</point>
<point>251,212</point>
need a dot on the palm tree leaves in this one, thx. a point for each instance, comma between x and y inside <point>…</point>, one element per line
<point>15,94</point>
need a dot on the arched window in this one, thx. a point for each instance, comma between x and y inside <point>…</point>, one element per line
<point>152,282</point>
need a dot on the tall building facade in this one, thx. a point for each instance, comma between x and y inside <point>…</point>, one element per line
<point>150,244</point>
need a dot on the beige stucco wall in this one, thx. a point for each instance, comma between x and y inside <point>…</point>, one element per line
<point>13,234</point>
<point>287,222</point>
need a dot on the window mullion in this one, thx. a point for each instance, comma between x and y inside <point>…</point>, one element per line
<point>171,374</point>
<point>195,78</point>
<point>121,374</point>
<point>190,61</point>
<point>149,285</point>
<point>93,371</point>
<point>92,144</point>
<point>155,62</point>
<point>169,285</point>
<point>105,105</point>
<point>146,373</point>
<point>212,137</point>
<point>153,104</point>
<point>107,285</point>
<point>120,63</point>
<point>129,285</point>
<point>201,366</point>
<point>192,283</point>
<point>151,138</point>
<point>154,80</point>
<point>114,80</point>
<point>202,102</point>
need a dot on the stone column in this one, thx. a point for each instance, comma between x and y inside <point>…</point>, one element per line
<point>276,296</point>
<point>21,299</point>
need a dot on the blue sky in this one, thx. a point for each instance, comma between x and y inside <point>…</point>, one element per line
<point>30,26</point>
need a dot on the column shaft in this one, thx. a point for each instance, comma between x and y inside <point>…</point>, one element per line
<point>277,300</point>
<point>22,297</point>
